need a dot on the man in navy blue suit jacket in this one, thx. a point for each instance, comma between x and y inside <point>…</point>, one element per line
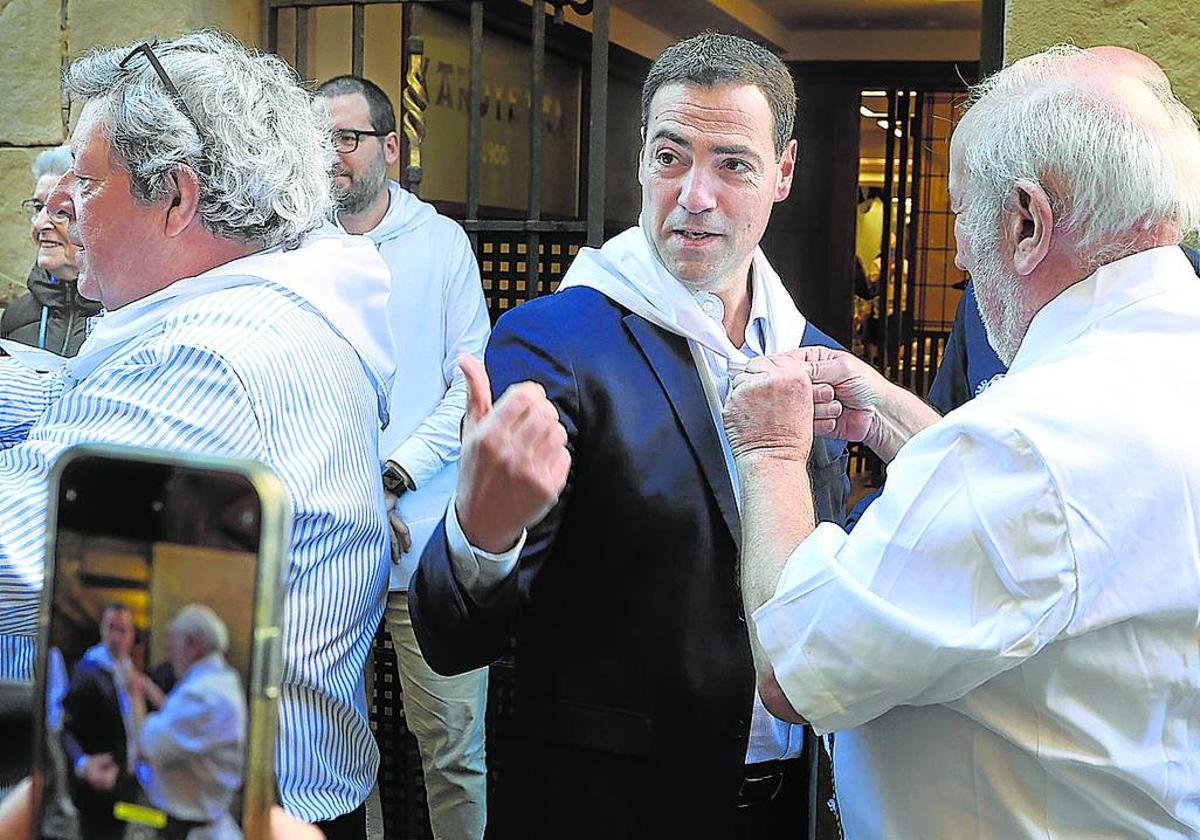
<point>636,710</point>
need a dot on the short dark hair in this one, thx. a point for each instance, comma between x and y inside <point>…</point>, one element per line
<point>710,59</point>
<point>383,115</point>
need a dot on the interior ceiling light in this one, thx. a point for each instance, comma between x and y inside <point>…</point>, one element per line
<point>869,114</point>
<point>874,93</point>
<point>882,124</point>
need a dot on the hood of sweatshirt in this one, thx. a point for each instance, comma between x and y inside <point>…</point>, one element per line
<point>405,214</point>
<point>341,278</point>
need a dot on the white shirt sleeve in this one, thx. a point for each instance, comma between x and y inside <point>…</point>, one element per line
<point>962,569</point>
<point>436,442</point>
<point>479,572</point>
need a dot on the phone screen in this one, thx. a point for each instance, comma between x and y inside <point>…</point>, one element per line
<point>149,658</point>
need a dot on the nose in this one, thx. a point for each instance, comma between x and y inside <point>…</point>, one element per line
<point>696,193</point>
<point>59,206</point>
<point>42,220</point>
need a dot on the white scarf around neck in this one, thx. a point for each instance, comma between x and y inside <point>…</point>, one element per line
<point>627,271</point>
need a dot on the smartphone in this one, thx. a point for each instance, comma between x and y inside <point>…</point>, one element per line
<point>159,656</point>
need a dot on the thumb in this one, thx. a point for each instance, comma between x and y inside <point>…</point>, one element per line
<point>830,369</point>
<point>479,389</point>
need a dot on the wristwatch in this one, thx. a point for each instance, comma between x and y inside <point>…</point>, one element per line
<point>396,480</point>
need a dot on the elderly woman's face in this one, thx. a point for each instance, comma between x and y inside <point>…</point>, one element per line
<point>55,253</point>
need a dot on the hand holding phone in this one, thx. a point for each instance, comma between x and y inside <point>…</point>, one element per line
<point>159,656</point>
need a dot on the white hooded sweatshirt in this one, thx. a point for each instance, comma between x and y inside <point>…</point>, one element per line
<point>437,313</point>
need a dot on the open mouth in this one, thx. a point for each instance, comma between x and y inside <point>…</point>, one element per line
<point>695,235</point>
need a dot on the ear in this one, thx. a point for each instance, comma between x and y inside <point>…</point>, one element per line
<point>787,168</point>
<point>183,200</point>
<point>1030,226</point>
<point>391,147</point>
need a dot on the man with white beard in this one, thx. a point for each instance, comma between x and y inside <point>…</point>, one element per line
<point>1015,620</point>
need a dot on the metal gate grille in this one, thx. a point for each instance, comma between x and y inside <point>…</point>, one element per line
<point>918,281</point>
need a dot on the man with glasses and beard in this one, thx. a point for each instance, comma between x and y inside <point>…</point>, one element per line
<point>437,313</point>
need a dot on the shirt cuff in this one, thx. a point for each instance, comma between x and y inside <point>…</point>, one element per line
<point>781,628</point>
<point>420,460</point>
<point>479,572</point>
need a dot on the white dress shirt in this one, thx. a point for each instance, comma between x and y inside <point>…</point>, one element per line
<point>1008,644</point>
<point>194,748</point>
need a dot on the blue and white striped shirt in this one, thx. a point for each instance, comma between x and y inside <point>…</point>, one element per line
<point>252,371</point>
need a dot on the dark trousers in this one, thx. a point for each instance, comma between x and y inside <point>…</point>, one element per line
<point>789,798</point>
<point>96,820</point>
<point>352,826</point>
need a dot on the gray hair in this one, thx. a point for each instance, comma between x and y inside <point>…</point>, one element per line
<point>196,621</point>
<point>1116,154</point>
<point>262,153</point>
<point>711,59</point>
<point>54,161</point>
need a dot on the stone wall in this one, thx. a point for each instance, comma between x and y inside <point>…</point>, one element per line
<point>1166,30</point>
<point>37,38</point>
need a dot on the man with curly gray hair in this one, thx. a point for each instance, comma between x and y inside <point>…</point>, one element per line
<point>236,323</point>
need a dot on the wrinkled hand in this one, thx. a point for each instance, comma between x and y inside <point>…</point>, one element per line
<point>850,412</point>
<point>100,771</point>
<point>16,819</point>
<point>401,541</point>
<point>770,408</point>
<point>514,460</point>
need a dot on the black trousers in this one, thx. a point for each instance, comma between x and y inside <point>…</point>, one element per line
<point>786,799</point>
<point>352,826</point>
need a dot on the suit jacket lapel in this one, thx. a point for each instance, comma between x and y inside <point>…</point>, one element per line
<point>671,362</point>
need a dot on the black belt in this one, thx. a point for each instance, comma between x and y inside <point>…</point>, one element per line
<point>763,781</point>
<point>177,829</point>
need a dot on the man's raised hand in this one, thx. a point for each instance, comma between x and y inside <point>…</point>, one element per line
<point>770,408</point>
<point>514,460</point>
<point>863,405</point>
<point>848,410</point>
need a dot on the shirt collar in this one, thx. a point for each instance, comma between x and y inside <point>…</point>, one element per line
<point>1110,288</point>
<point>758,327</point>
<point>209,662</point>
<point>758,324</point>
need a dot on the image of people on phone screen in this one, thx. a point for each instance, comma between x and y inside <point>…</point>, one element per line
<point>147,714</point>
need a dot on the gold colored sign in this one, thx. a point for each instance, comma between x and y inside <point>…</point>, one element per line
<point>504,163</point>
